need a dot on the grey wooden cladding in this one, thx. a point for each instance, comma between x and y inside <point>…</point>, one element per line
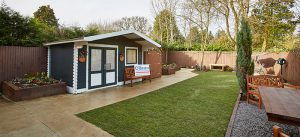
<point>15,61</point>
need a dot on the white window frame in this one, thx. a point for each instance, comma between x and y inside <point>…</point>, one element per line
<point>137,56</point>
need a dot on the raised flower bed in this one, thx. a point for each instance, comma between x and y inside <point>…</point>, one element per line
<point>30,87</point>
<point>169,69</point>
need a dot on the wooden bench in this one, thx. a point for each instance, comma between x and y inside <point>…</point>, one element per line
<point>129,75</point>
<point>222,66</point>
<point>253,82</point>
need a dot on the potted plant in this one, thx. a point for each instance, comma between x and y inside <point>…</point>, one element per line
<point>168,69</point>
<point>82,55</point>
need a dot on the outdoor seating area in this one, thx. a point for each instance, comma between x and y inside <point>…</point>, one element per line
<point>129,74</point>
<point>150,68</point>
<point>277,108</point>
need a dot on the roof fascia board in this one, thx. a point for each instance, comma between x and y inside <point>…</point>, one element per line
<point>113,34</point>
<point>62,42</point>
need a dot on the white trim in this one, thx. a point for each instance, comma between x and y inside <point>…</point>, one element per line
<point>108,35</point>
<point>87,63</point>
<point>62,42</point>
<point>87,68</point>
<point>70,90</point>
<point>48,62</point>
<point>103,45</point>
<point>128,81</point>
<point>137,56</point>
<point>142,56</point>
<point>91,90</point>
<point>113,34</point>
<point>75,69</point>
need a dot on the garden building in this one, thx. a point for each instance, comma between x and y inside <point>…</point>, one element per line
<point>99,61</point>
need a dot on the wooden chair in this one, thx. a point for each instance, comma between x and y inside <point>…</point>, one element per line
<point>129,75</point>
<point>253,82</point>
<point>277,132</point>
<point>291,86</point>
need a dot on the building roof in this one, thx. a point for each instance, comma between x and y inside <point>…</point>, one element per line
<point>130,34</point>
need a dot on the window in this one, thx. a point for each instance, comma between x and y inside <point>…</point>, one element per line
<point>131,56</point>
<point>96,59</point>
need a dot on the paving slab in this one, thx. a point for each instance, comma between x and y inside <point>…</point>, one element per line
<point>55,116</point>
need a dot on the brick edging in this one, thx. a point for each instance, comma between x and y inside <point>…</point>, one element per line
<point>232,118</point>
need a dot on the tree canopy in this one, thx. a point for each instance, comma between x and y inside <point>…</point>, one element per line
<point>45,14</point>
<point>244,63</point>
<point>165,28</point>
<point>272,22</point>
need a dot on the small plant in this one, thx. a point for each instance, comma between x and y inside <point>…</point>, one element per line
<point>37,79</point>
<point>169,66</point>
<point>82,53</point>
<point>168,69</point>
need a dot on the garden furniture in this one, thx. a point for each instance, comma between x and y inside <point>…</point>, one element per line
<point>277,132</point>
<point>282,104</point>
<point>253,82</point>
<point>222,66</point>
<point>130,75</point>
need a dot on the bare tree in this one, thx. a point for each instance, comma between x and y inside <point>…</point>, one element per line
<point>201,14</point>
<point>237,8</point>
<point>171,6</point>
<point>137,23</point>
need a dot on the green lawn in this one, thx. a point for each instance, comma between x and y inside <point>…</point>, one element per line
<point>200,106</point>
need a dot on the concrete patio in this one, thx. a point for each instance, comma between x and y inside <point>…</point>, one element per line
<point>55,116</point>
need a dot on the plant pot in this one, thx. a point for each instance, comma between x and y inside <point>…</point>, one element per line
<point>82,59</point>
<point>168,71</point>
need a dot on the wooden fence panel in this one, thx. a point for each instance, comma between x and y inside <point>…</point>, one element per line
<point>154,58</point>
<point>16,61</point>
<point>291,71</point>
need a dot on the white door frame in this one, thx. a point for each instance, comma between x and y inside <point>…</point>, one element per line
<point>87,65</point>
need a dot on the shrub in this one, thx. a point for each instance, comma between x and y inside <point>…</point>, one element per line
<point>244,51</point>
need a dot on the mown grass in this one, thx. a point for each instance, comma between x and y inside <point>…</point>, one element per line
<point>200,106</point>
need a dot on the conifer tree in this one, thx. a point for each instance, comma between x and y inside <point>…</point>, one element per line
<point>244,64</point>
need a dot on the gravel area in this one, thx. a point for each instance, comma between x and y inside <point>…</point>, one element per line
<point>253,122</point>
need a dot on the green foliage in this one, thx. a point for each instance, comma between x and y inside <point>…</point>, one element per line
<point>16,29</point>
<point>35,80</point>
<point>244,52</point>
<point>252,67</point>
<point>193,36</point>
<point>165,28</point>
<point>178,46</point>
<point>271,22</point>
<point>72,32</point>
<point>46,15</point>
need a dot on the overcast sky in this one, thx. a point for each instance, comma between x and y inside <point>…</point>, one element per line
<point>83,12</point>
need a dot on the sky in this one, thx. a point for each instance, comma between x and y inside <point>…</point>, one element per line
<point>83,12</point>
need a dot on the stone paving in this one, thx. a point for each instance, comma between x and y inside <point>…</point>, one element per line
<point>55,116</point>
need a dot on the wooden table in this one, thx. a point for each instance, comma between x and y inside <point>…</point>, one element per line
<point>282,105</point>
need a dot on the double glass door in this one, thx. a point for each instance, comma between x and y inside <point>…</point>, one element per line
<point>102,67</point>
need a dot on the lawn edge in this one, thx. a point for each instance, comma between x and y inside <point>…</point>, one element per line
<point>138,95</point>
<point>232,118</point>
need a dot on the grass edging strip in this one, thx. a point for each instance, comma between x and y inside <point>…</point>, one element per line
<point>232,118</point>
